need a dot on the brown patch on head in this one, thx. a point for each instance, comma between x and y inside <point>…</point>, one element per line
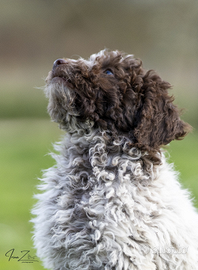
<point>113,91</point>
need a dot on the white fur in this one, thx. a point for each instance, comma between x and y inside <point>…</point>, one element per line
<point>101,209</point>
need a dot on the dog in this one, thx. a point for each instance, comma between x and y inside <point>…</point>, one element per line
<point>112,202</point>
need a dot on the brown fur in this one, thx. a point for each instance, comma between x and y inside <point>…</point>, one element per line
<point>132,101</point>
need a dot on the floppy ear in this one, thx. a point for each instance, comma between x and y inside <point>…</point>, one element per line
<point>157,121</point>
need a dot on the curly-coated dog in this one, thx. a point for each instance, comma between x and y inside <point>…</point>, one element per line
<point>112,201</point>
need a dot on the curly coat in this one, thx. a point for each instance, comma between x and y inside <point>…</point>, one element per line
<point>112,202</point>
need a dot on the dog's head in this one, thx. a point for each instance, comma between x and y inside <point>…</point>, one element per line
<point>111,91</point>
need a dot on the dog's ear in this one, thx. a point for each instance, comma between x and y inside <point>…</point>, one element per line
<point>157,121</point>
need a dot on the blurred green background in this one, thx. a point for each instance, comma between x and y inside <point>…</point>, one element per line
<point>163,33</point>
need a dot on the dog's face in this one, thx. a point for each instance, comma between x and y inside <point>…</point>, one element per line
<point>111,91</point>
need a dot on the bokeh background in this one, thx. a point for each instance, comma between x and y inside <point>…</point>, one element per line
<point>163,33</point>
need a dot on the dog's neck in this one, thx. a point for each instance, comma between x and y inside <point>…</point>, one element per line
<point>104,158</point>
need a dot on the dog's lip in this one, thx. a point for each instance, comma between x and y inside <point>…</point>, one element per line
<point>59,73</point>
<point>61,76</point>
<point>58,79</point>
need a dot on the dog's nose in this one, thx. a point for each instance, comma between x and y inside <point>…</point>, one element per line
<point>59,62</point>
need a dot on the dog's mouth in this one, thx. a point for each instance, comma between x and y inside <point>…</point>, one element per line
<point>60,76</point>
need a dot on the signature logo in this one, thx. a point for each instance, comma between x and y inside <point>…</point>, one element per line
<point>25,256</point>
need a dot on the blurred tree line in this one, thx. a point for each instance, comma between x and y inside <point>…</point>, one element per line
<point>163,33</point>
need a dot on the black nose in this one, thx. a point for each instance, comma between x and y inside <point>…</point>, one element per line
<point>59,62</point>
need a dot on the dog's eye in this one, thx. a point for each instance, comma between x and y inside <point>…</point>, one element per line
<point>108,72</point>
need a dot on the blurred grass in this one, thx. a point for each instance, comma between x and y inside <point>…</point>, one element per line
<point>22,101</point>
<point>24,146</point>
<point>184,155</point>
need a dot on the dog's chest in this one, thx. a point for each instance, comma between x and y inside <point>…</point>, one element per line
<point>102,189</point>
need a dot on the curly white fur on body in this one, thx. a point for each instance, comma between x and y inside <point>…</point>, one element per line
<point>102,210</point>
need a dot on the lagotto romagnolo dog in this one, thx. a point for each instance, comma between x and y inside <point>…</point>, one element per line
<point>112,201</point>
